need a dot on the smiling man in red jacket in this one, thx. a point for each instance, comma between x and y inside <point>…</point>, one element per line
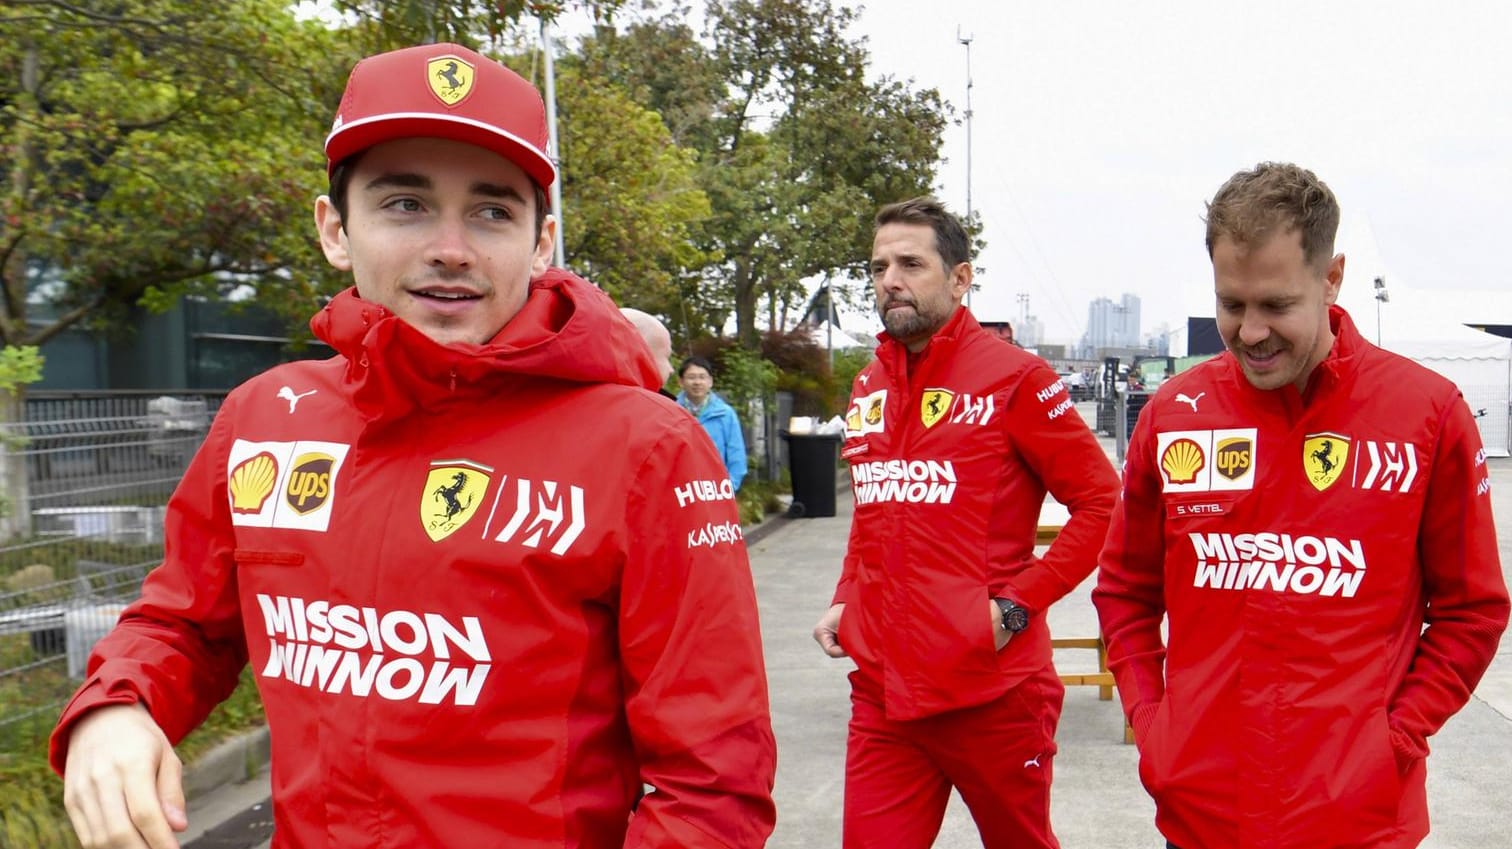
<point>1311,516</point>
<point>953,437</point>
<point>476,568</point>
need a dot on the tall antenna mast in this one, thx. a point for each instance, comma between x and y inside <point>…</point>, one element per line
<point>966,41</point>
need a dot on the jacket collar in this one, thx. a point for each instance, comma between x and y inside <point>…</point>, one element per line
<point>1349,347</point>
<point>568,330</point>
<point>894,356</point>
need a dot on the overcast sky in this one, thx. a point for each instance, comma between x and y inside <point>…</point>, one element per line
<point>1100,128</point>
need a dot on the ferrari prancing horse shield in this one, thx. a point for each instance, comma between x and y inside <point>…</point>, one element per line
<point>450,78</point>
<point>935,405</point>
<point>1323,458</point>
<point>453,492</point>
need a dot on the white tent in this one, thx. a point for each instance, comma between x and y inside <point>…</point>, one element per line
<point>1417,324</point>
<point>828,335</point>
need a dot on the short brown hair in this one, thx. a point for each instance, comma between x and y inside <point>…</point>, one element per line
<point>1275,197</point>
<point>951,240</point>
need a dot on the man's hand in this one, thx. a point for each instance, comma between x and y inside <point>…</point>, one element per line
<point>827,632</point>
<point>1000,635</point>
<point>122,783</point>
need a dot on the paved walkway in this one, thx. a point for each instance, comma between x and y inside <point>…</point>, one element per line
<point>1097,801</point>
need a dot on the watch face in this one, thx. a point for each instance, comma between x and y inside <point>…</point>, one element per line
<point>1015,618</point>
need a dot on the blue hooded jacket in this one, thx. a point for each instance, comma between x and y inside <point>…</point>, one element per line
<point>719,419</point>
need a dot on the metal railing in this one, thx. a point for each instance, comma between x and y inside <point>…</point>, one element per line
<point>87,477</point>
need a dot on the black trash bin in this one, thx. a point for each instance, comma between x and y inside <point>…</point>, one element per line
<point>812,459</point>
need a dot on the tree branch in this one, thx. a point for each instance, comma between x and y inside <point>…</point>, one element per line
<point>63,322</point>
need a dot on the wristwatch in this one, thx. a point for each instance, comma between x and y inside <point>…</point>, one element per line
<point>1015,618</point>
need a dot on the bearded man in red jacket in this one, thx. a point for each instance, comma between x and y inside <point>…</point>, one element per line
<point>953,437</point>
<point>476,567</point>
<point>1311,517</point>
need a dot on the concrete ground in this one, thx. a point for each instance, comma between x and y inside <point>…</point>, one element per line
<point>1097,801</point>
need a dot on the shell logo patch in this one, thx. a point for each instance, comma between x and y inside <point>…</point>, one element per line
<point>1208,460</point>
<point>450,78</point>
<point>934,405</point>
<point>306,472</point>
<point>1323,458</point>
<point>867,414</point>
<point>453,491</point>
<point>251,482</point>
<point>1182,460</point>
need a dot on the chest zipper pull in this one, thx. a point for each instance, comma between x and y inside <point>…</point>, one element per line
<point>454,381</point>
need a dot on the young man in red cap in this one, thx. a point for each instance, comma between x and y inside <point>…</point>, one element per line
<point>475,565</point>
<point>954,437</point>
<point>1301,584</point>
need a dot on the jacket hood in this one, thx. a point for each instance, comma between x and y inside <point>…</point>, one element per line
<point>568,330</point>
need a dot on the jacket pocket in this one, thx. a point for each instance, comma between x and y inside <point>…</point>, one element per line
<point>1154,759</point>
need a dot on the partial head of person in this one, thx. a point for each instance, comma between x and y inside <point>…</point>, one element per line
<point>696,376</point>
<point>657,338</point>
<point>439,165</point>
<point>920,269</point>
<point>1270,236</point>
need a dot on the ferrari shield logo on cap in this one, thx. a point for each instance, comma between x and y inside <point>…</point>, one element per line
<point>450,79</point>
<point>1323,456</point>
<point>934,406</point>
<point>453,491</point>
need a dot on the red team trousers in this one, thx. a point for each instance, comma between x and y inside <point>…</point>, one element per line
<point>999,755</point>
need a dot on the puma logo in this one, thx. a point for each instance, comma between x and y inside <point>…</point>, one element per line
<point>287,394</point>
<point>1182,397</point>
<point>1034,762</point>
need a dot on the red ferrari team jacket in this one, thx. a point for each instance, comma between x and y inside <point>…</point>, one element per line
<point>487,592</point>
<point>951,453</point>
<point>1299,544</point>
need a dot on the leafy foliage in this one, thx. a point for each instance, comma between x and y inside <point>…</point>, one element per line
<point>156,146</point>
<point>796,147</point>
<point>388,24</point>
<point>633,204</point>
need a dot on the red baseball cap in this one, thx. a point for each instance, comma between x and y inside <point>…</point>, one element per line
<point>443,91</point>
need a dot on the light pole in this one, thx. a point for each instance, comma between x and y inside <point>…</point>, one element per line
<point>559,250</point>
<point>966,41</point>
<point>1381,297</point>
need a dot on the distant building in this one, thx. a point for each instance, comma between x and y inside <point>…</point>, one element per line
<point>1112,325</point>
<point>1030,332</point>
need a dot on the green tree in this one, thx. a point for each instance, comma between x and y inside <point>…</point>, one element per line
<point>156,148</point>
<point>388,24</point>
<point>631,199</point>
<point>797,147</point>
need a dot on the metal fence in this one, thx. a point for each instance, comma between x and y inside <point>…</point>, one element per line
<point>87,479</point>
